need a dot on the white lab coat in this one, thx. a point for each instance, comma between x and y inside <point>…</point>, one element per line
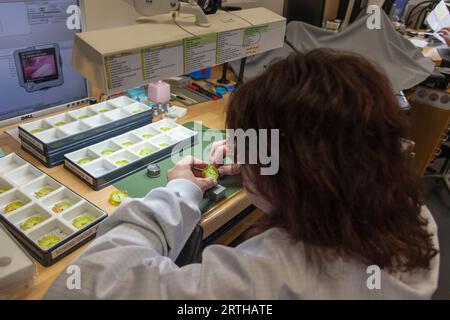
<point>132,258</point>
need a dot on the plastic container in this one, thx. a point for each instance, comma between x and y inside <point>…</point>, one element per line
<point>71,128</point>
<point>159,92</point>
<point>48,219</point>
<point>201,74</point>
<point>121,156</point>
<point>17,268</point>
<point>56,157</point>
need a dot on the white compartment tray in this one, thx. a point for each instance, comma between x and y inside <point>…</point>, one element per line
<point>101,164</point>
<point>62,130</point>
<point>40,212</point>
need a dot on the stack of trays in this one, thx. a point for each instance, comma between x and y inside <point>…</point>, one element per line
<point>49,139</point>
<point>48,219</point>
<point>114,159</point>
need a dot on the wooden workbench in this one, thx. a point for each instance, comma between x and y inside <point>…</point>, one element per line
<point>212,115</point>
<point>430,126</point>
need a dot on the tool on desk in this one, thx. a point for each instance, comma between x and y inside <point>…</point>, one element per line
<point>192,90</point>
<point>219,88</point>
<point>175,97</point>
<point>154,171</point>
<point>219,91</point>
<point>210,88</point>
<point>228,87</point>
<point>183,99</point>
<point>204,92</point>
<point>203,89</point>
<point>190,97</point>
<point>217,193</point>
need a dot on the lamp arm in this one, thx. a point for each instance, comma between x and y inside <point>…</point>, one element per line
<point>193,8</point>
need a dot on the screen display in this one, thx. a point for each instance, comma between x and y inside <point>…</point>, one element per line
<point>39,65</point>
<point>36,45</point>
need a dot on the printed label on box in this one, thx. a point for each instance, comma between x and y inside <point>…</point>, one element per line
<point>72,243</point>
<point>31,140</point>
<point>163,61</point>
<point>34,152</point>
<point>200,52</point>
<point>254,38</point>
<point>229,46</point>
<point>124,70</point>
<point>81,174</point>
<point>151,64</point>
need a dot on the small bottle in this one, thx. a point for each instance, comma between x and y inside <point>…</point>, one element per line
<point>159,92</point>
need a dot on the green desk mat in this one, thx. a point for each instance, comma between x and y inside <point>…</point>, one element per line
<point>139,184</point>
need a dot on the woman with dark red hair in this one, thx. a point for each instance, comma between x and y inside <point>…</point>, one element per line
<point>345,212</point>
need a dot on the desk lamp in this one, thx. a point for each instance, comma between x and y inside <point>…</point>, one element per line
<point>149,8</point>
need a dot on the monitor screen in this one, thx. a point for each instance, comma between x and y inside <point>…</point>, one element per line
<point>35,57</point>
<point>39,65</point>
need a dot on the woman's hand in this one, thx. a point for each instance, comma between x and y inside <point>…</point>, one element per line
<point>219,152</point>
<point>445,33</point>
<point>184,170</point>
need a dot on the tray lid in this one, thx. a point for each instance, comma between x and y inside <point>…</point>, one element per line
<point>16,267</point>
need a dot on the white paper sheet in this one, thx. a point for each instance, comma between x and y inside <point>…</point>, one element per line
<point>419,43</point>
<point>439,18</point>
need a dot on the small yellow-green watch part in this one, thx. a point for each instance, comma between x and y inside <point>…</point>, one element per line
<point>128,144</point>
<point>43,192</point>
<point>82,221</point>
<point>117,197</point>
<point>211,172</point>
<point>60,207</point>
<point>147,151</point>
<point>48,241</point>
<point>31,223</point>
<point>107,152</point>
<point>122,162</point>
<point>14,206</point>
<point>85,161</point>
<point>3,189</point>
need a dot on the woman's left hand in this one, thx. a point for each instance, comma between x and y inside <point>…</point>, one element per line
<point>185,170</point>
